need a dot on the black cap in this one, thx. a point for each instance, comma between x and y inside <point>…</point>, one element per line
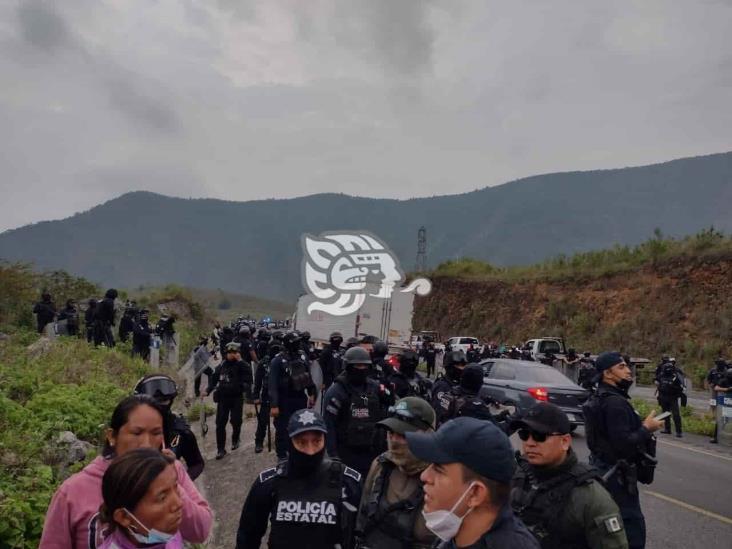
<point>545,418</point>
<point>305,420</point>
<point>607,360</point>
<point>477,444</point>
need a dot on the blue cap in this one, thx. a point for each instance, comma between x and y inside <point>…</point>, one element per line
<point>477,444</point>
<point>305,420</point>
<point>608,360</point>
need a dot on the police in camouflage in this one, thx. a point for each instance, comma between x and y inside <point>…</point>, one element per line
<point>309,501</point>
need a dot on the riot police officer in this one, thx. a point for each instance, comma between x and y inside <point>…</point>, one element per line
<point>246,347</point>
<point>407,381</point>
<point>455,362</point>
<point>670,385</point>
<point>307,345</point>
<point>89,319</point>
<point>104,317</point>
<point>331,358</point>
<point>178,435</point>
<point>142,336</point>
<point>231,380</point>
<point>429,353</point>
<point>71,315</point>
<point>390,514</point>
<point>380,370</point>
<point>309,500</point>
<point>45,311</point>
<point>261,347</point>
<point>714,377</point>
<point>261,388</point>
<point>465,399</point>
<point>621,444</point>
<point>127,322</point>
<point>354,404</point>
<point>290,387</point>
<point>227,336</point>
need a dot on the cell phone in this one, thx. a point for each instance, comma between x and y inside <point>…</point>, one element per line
<point>662,415</point>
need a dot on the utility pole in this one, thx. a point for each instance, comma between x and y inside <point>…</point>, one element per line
<point>420,265</point>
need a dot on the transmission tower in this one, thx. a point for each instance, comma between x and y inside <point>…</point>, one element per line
<point>420,265</point>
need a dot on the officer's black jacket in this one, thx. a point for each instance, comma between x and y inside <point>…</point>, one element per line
<point>45,312</point>
<point>329,364</point>
<point>441,396</point>
<point>507,531</point>
<point>104,312</point>
<point>259,503</point>
<point>279,388</point>
<point>402,386</point>
<point>621,428</point>
<point>243,371</point>
<point>181,440</point>
<point>141,333</point>
<point>260,380</point>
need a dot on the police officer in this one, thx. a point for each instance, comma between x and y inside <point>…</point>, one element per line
<point>104,319</point>
<point>231,380</point>
<point>201,371</point>
<point>670,385</point>
<point>467,486</point>
<point>71,315</point>
<point>331,358</point>
<point>561,500</point>
<point>290,387</point>
<point>380,369</point>
<point>142,335</point>
<point>472,356</point>
<point>715,375</point>
<point>406,381</point>
<point>429,353</point>
<point>309,500</point>
<point>587,374</point>
<point>352,342</point>
<point>227,336</point>
<point>307,345</point>
<point>89,319</point>
<point>354,404</point>
<point>45,311</point>
<point>178,435</point>
<point>246,347</point>
<point>261,347</point>
<point>455,362</point>
<point>723,386</point>
<point>127,322</point>
<point>620,442</point>
<point>261,388</point>
<point>390,514</point>
<point>465,399</point>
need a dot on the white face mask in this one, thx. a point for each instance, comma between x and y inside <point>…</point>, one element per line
<point>446,524</point>
<point>153,536</point>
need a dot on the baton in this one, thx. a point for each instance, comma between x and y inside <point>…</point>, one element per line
<point>269,435</point>
<point>204,425</point>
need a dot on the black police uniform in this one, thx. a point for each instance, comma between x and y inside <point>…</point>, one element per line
<point>351,414</point>
<point>230,381</point>
<point>429,353</point>
<point>181,440</point>
<point>331,363</point>
<point>312,512</point>
<point>261,393</point>
<point>104,319</point>
<point>670,390</point>
<point>71,316</point>
<point>127,323</point>
<point>45,312</point>
<point>468,404</point>
<point>405,385</point>
<point>441,400</point>
<point>616,436</point>
<point>141,337</point>
<point>290,385</point>
<point>89,320</point>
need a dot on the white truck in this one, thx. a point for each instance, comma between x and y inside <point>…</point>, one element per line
<point>387,319</point>
<point>540,346</point>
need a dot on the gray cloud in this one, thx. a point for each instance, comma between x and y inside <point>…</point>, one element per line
<point>247,100</point>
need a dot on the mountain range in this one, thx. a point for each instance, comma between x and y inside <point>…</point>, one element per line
<point>254,247</point>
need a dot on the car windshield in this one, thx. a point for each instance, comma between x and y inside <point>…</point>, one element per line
<point>468,341</point>
<point>541,375</point>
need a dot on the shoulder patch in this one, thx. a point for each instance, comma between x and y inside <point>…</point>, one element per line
<point>267,474</point>
<point>612,524</point>
<point>355,475</point>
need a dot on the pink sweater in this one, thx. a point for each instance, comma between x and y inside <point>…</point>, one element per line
<point>71,519</point>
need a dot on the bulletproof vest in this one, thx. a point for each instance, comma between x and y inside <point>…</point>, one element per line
<point>595,431</point>
<point>360,413</point>
<point>468,405</point>
<point>391,526</point>
<point>297,371</point>
<point>306,512</point>
<point>179,428</point>
<point>669,384</point>
<point>261,348</point>
<point>230,379</point>
<point>441,390</point>
<point>539,505</point>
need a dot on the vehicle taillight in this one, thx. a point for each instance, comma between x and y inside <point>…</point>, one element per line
<point>393,361</point>
<point>539,393</point>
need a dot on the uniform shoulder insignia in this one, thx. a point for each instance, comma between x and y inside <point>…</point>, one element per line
<point>267,474</point>
<point>355,475</point>
<point>610,523</point>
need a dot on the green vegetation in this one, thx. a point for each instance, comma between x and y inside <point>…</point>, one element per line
<point>707,244</point>
<point>692,422</point>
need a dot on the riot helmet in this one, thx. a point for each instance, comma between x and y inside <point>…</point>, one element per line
<point>336,339</point>
<point>352,342</point>
<point>380,349</point>
<point>408,361</point>
<point>472,379</point>
<point>159,386</point>
<point>291,341</point>
<point>355,357</point>
<point>263,334</point>
<point>245,332</point>
<point>456,364</point>
<point>305,336</point>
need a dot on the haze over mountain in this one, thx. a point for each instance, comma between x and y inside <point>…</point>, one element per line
<point>254,247</point>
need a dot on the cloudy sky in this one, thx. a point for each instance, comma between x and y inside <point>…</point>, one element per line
<point>243,99</point>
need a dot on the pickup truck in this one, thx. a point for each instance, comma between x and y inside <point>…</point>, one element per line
<point>540,346</point>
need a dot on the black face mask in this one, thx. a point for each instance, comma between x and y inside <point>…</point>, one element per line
<point>409,370</point>
<point>457,373</point>
<point>356,376</point>
<point>302,465</point>
<point>624,384</point>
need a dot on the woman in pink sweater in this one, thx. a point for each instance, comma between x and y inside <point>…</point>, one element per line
<point>72,520</point>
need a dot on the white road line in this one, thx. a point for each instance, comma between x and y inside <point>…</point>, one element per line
<point>697,450</point>
<point>688,506</point>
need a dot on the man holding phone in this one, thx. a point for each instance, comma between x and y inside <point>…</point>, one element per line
<point>620,443</point>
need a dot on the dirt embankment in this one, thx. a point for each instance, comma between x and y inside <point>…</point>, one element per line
<point>681,307</point>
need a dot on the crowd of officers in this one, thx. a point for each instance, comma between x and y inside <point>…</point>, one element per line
<point>100,317</point>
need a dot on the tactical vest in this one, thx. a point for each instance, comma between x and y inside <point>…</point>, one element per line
<point>360,413</point>
<point>230,379</point>
<point>391,526</point>
<point>670,386</point>
<point>298,373</point>
<point>306,512</point>
<point>597,440</point>
<point>467,405</point>
<point>540,505</point>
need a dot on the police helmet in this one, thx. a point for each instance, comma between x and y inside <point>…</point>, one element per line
<point>233,347</point>
<point>458,357</point>
<point>291,340</point>
<point>263,334</point>
<point>669,368</point>
<point>380,349</point>
<point>369,339</point>
<point>144,314</point>
<point>472,378</point>
<point>158,386</point>
<point>277,335</point>
<point>356,355</point>
<point>352,342</point>
<point>244,331</point>
<point>408,360</point>
<point>305,336</point>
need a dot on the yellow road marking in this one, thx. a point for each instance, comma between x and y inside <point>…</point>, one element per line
<point>697,450</point>
<point>690,507</point>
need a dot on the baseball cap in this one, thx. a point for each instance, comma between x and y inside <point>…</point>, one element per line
<point>233,347</point>
<point>305,420</point>
<point>410,414</point>
<point>477,444</point>
<point>608,360</point>
<point>545,418</point>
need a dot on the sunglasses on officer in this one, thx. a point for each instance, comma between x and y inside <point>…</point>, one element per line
<point>524,435</point>
<point>408,417</point>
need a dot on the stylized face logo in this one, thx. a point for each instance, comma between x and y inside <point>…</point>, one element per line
<point>341,269</point>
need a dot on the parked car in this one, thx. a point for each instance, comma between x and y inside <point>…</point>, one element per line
<point>462,343</point>
<point>521,384</point>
